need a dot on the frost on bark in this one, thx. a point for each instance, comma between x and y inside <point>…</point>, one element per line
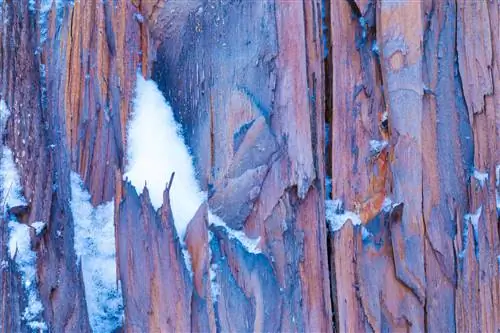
<point>407,92</point>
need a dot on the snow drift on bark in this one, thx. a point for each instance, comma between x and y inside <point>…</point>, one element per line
<point>10,181</point>
<point>251,245</point>
<point>19,244</point>
<point>156,149</point>
<point>337,216</point>
<point>4,114</point>
<point>95,247</point>
<point>25,259</point>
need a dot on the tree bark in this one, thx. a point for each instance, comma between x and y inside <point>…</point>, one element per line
<point>396,104</point>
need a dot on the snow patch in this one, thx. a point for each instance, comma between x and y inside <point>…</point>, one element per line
<point>473,219</point>
<point>250,244</point>
<point>43,12</point>
<point>465,240</point>
<point>156,149</point>
<point>4,114</point>
<point>39,226</point>
<point>337,216</point>
<point>19,244</point>
<point>377,146</point>
<point>19,247</point>
<point>95,248</point>
<point>214,286</point>
<point>10,181</point>
<point>139,17</point>
<point>43,21</point>
<point>375,48</point>
<point>385,116</point>
<point>365,233</point>
<point>481,177</point>
<point>32,5</point>
<point>188,261</point>
<point>33,311</point>
<point>387,205</point>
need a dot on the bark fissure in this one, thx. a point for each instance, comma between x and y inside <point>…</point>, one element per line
<point>394,103</point>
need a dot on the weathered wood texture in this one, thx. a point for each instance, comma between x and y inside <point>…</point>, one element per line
<point>152,271</point>
<point>252,92</point>
<point>35,133</point>
<point>252,84</point>
<point>433,67</point>
<point>251,109</point>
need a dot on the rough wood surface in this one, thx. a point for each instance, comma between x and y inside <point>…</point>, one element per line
<point>408,92</point>
<point>155,279</point>
<point>438,272</point>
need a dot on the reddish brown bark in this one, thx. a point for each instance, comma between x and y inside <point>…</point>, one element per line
<point>252,84</point>
<point>436,90</point>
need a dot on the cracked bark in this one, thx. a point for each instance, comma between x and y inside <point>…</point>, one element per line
<point>426,55</point>
<point>252,97</point>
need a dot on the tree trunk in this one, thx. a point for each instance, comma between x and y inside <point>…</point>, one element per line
<point>348,146</point>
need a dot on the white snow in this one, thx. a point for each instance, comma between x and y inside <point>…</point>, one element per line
<point>20,251</point>
<point>4,114</point>
<point>188,261</point>
<point>465,240</point>
<point>19,244</point>
<point>10,181</point>
<point>214,286</point>
<point>387,204</point>
<point>82,211</point>
<point>156,149</point>
<point>32,5</point>
<point>375,48</point>
<point>33,311</point>
<point>473,219</point>
<point>365,233</point>
<point>385,116</point>
<point>95,247</point>
<point>377,146</point>
<point>38,226</point>
<point>481,177</point>
<point>44,12</point>
<point>337,216</point>
<point>43,21</point>
<point>250,244</point>
<point>139,17</point>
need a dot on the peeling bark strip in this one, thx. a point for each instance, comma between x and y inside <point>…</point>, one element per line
<point>474,46</point>
<point>157,289</point>
<point>400,33</point>
<point>408,89</point>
